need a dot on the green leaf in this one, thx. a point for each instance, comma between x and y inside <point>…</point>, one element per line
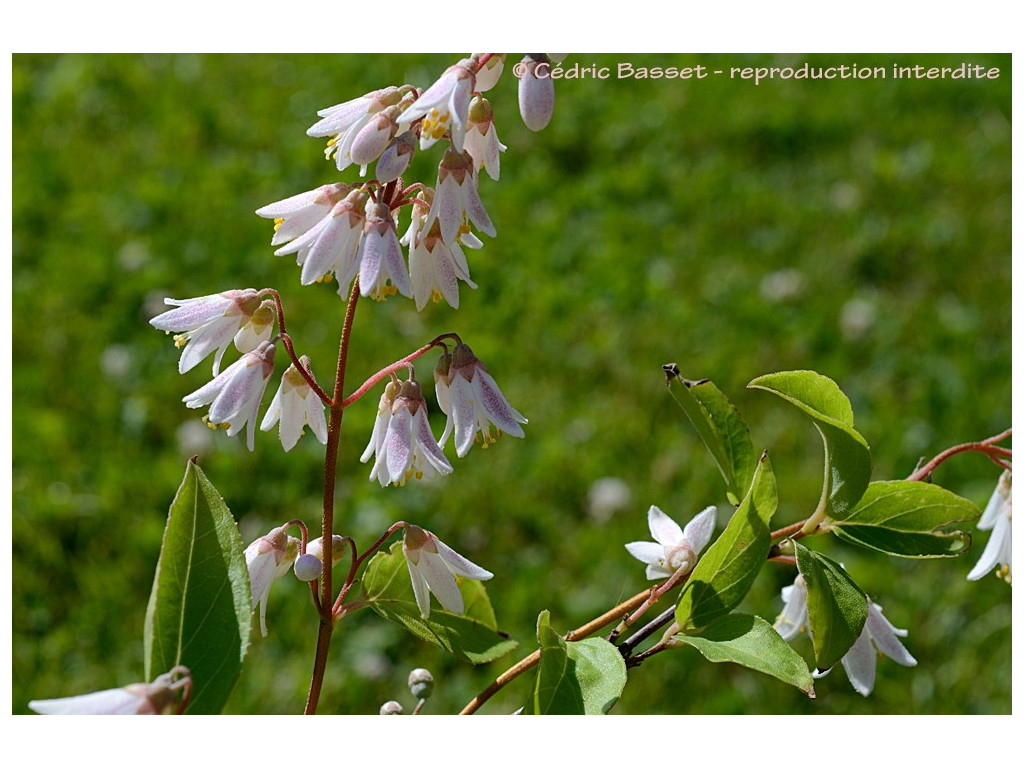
<point>473,636</point>
<point>200,609</point>
<point>751,642</point>
<point>575,678</point>
<point>836,607</point>
<point>906,518</point>
<point>725,572</point>
<point>719,425</point>
<point>847,456</point>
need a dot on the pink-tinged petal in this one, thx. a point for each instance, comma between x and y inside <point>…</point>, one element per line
<point>237,393</point>
<point>425,438</point>
<point>116,701</point>
<point>448,205</point>
<point>305,239</point>
<point>460,264</point>
<point>859,663</point>
<point>536,97</point>
<point>398,442</point>
<point>324,252</point>
<point>475,208</point>
<point>395,263</point>
<point>460,394</point>
<point>207,393</point>
<point>647,552</point>
<point>191,313</point>
<point>495,404</point>
<point>289,205</point>
<point>372,140</point>
<point>458,105</point>
<point>699,530</point>
<point>298,224</point>
<point>441,582</point>
<point>664,529</point>
<point>460,565</point>
<point>884,636</point>
<point>419,588</point>
<point>370,259</point>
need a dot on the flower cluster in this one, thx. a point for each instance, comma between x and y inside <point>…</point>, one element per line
<point>879,636</point>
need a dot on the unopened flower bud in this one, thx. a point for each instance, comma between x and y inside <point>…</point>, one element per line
<point>316,548</point>
<point>536,94</point>
<point>391,708</point>
<point>307,567</point>
<point>396,157</point>
<point>421,683</point>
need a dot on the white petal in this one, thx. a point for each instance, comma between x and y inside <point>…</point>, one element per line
<point>475,208</point>
<point>495,404</point>
<point>116,701</point>
<point>699,530</point>
<point>324,251</point>
<point>647,552</point>
<point>273,414</point>
<point>293,418</point>
<point>460,565</point>
<point>425,439</point>
<point>859,663</point>
<point>419,588</point>
<point>997,550</point>
<point>441,582</point>
<point>884,636</point>
<point>664,529</point>
<point>283,208</point>
<point>398,442</point>
<point>460,394</point>
<point>316,418</point>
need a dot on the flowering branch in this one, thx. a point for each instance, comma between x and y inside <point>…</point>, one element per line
<point>383,373</point>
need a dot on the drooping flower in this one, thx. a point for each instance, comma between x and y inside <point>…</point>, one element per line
<point>434,267</point>
<point>161,697</point>
<point>536,91</point>
<point>380,424</point>
<point>488,73</point>
<point>380,256</point>
<point>258,329</point>
<point>468,394</point>
<point>234,395</point>
<point>396,157</point>
<point>295,405</point>
<point>997,517</point>
<point>343,122</point>
<point>408,448</point>
<point>878,636</point>
<point>268,558</point>
<point>482,142</point>
<point>324,226</point>
<point>207,323</point>
<point>673,548</point>
<point>456,199</point>
<point>443,106</point>
<point>432,568</point>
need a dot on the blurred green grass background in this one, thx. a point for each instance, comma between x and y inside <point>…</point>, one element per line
<point>859,228</point>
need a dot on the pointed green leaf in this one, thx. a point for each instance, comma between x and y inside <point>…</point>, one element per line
<point>575,678</point>
<point>847,456</point>
<point>200,608</point>
<point>720,427</point>
<point>473,636</point>
<point>836,607</point>
<point>725,572</point>
<point>751,642</point>
<point>907,518</point>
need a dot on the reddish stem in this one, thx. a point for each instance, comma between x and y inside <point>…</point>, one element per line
<point>988,447</point>
<point>323,641</point>
<point>383,373</point>
<point>290,349</point>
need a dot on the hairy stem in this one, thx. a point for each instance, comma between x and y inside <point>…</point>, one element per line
<point>988,447</point>
<point>323,640</point>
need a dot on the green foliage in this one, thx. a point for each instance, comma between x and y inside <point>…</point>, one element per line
<point>836,606</point>
<point>473,637</point>
<point>200,609</point>
<point>750,641</point>
<point>584,677</point>
<point>847,457</point>
<point>726,571</point>
<point>905,518</point>
<point>720,427</point>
